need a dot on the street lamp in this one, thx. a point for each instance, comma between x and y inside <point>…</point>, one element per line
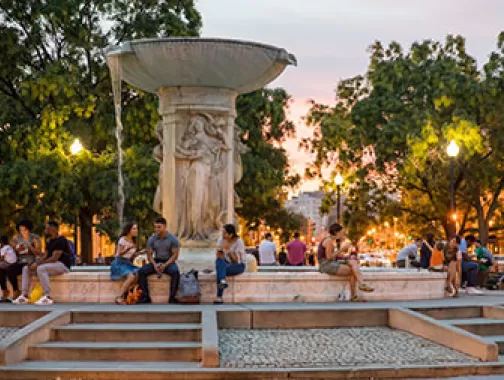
<point>338,180</point>
<point>76,147</point>
<point>453,151</point>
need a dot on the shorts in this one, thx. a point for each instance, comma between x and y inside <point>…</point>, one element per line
<point>331,267</point>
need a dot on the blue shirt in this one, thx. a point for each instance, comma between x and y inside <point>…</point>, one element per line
<point>463,246</point>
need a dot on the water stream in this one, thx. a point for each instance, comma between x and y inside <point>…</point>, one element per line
<point>115,74</point>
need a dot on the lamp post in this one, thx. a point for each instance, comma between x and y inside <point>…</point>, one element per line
<point>453,151</point>
<point>75,149</point>
<point>338,180</point>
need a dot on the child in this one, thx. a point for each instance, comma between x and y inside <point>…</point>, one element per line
<point>8,258</point>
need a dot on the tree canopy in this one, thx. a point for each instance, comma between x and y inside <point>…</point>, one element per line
<point>408,107</point>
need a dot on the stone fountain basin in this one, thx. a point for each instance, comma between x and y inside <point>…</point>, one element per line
<point>150,64</point>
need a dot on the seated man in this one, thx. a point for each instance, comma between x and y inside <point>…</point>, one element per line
<point>56,261</point>
<point>331,262</point>
<point>468,268</point>
<point>267,251</point>
<point>165,247</point>
<point>409,252</point>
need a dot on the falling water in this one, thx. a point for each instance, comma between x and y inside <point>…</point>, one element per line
<point>115,73</point>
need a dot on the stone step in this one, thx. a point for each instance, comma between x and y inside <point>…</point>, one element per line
<point>480,326</point>
<point>499,339</point>
<point>136,316</point>
<point>117,351</point>
<point>128,332</point>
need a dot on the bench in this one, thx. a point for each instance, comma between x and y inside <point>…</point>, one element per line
<point>292,286</point>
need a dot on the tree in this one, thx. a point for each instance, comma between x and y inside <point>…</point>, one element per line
<point>267,178</point>
<point>408,106</point>
<point>54,86</point>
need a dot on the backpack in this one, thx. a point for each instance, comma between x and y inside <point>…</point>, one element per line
<point>189,288</point>
<point>133,295</point>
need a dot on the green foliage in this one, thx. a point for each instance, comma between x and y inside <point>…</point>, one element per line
<point>408,106</point>
<point>263,189</point>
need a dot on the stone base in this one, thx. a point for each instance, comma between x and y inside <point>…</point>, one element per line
<point>201,259</point>
<point>97,287</point>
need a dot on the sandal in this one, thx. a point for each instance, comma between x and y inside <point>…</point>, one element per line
<point>120,300</point>
<point>218,301</point>
<point>357,299</point>
<point>366,288</point>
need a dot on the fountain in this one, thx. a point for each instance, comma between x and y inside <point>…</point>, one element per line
<point>197,81</point>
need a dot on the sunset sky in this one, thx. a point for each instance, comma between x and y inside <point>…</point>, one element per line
<point>329,38</point>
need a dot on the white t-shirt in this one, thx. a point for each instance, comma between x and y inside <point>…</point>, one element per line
<point>238,248</point>
<point>8,254</point>
<point>267,251</point>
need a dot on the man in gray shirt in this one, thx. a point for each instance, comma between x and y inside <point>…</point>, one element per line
<point>165,247</point>
<point>411,252</point>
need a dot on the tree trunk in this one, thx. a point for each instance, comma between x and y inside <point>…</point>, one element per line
<point>483,232</point>
<point>86,236</point>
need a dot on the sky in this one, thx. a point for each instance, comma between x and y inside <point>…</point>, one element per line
<point>330,39</point>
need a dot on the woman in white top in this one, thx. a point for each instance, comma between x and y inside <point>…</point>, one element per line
<point>8,259</point>
<point>122,267</point>
<point>231,258</point>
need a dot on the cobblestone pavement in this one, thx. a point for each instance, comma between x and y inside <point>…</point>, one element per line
<point>330,348</point>
<point>6,332</point>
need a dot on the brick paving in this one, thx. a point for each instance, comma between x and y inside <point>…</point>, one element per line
<point>339,347</point>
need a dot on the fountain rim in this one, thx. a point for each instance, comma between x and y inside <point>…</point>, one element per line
<point>126,46</point>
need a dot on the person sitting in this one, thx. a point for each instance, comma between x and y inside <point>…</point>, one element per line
<point>426,250</point>
<point>267,251</point>
<point>485,261</point>
<point>469,268</point>
<point>122,267</point>
<point>231,259</point>
<point>166,248</point>
<point>453,260</point>
<point>8,260</point>
<point>56,261</point>
<point>332,263</point>
<point>410,252</point>
<point>282,257</point>
<point>437,258</point>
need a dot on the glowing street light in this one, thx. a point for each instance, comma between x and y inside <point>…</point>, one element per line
<point>453,149</point>
<point>76,147</point>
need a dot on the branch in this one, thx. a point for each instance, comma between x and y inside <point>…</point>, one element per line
<point>495,201</point>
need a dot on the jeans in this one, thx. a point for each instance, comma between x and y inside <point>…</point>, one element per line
<point>172,270</point>
<point>470,269</point>
<point>11,272</point>
<point>224,269</point>
<point>44,271</point>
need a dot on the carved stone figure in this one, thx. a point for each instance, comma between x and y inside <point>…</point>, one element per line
<point>158,156</point>
<point>201,175</point>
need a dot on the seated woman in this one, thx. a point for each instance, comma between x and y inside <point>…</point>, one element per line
<point>122,267</point>
<point>331,262</point>
<point>453,259</point>
<point>8,260</point>
<point>231,259</point>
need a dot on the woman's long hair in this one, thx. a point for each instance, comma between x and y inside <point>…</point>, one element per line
<point>127,229</point>
<point>230,230</point>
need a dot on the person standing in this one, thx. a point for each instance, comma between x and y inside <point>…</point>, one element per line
<point>426,251</point>
<point>409,252</point>
<point>162,252</point>
<point>296,251</point>
<point>267,251</point>
<point>56,261</point>
<point>230,260</point>
<point>332,263</point>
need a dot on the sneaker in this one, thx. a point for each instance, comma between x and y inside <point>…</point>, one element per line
<point>45,300</point>
<point>223,284</point>
<point>473,291</point>
<point>21,300</point>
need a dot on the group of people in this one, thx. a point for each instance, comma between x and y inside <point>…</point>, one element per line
<point>163,249</point>
<point>23,255</point>
<point>295,255</point>
<point>453,258</point>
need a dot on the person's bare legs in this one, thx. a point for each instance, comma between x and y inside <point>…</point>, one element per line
<point>346,270</point>
<point>353,287</point>
<point>130,280</point>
